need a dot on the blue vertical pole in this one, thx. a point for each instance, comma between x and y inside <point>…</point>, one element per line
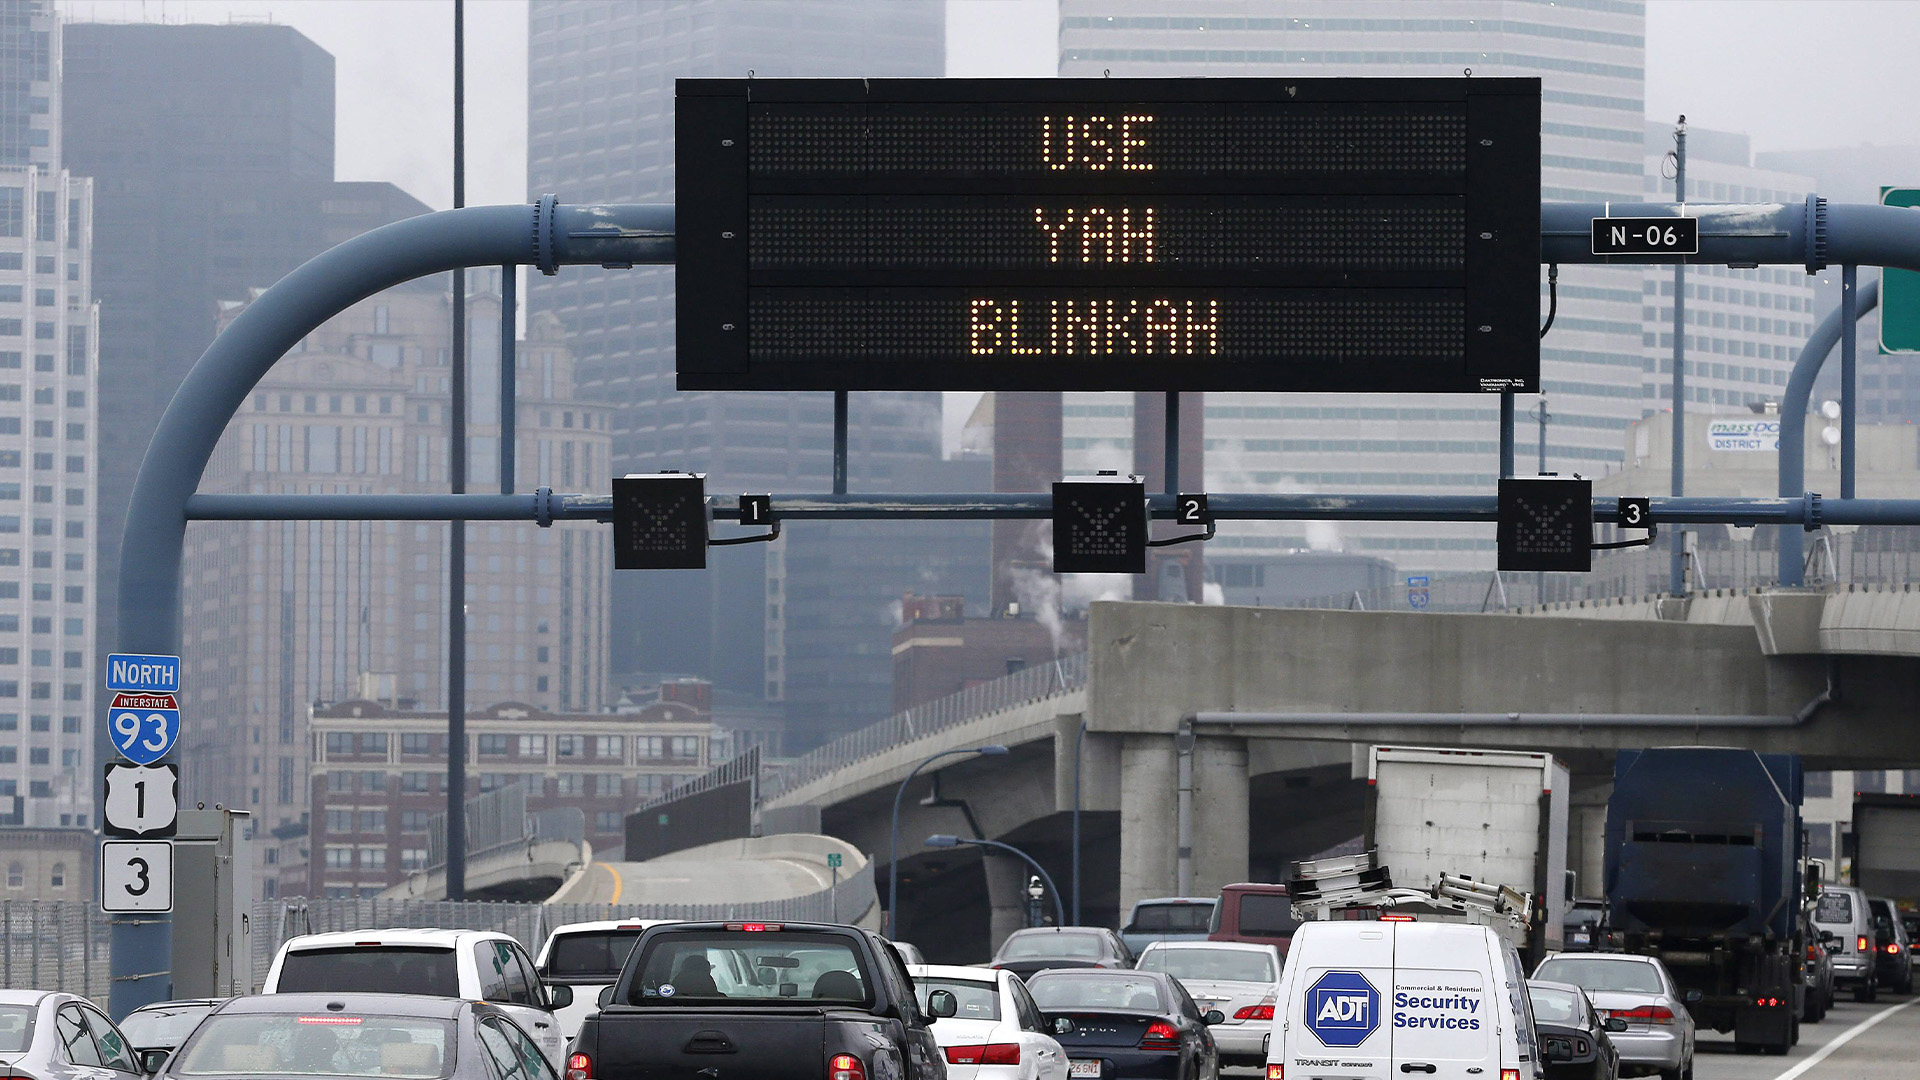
<point>1849,380</point>
<point>1506,433</point>
<point>509,375</point>
<point>457,529</point>
<point>1677,583</point>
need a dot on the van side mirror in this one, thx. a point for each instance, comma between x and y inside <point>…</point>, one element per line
<point>1214,1016</point>
<point>559,996</point>
<point>942,1004</point>
<point>1693,997</point>
<point>1614,1023</point>
<point>153,1059</point>
<point>606,997</point>
<point>1826,936</point>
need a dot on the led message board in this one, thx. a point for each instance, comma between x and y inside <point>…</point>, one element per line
<point>1109,234</point>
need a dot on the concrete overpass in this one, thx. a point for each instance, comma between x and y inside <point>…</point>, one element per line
<point>749,871</point>
<point>1277,700</point>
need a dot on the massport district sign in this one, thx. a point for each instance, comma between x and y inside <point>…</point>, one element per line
<point>1343,1008</point>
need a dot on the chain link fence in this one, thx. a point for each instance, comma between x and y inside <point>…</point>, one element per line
<point>1863,557</point>
<point>54,945</point>
<point>1023,687</point>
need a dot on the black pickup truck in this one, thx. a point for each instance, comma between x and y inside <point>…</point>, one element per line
<point>761,1001</point>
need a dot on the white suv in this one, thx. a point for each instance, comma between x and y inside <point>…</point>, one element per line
<point>478,965</point>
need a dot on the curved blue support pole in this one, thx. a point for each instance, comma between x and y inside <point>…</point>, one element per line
<point>1793,425</point>
<point>543,234</point>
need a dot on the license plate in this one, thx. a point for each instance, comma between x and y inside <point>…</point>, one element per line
<point>1089,1069</point>
<point>1580,939</point>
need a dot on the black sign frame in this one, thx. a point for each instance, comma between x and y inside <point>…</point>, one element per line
<point>1645,237</point>
<point>1546,524</point>
<point>758,309</point>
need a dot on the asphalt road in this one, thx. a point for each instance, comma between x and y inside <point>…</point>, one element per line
<point>696,881</point>
<point>1855,1042</point>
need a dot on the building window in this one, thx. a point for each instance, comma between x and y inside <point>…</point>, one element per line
<point>570,745</point>
<point>534,746</point>
<point>413,820</point>
<point>339,857</point>
<point>567,784</point>
<point>58,879</point>
<point>416,783</point>
<point>607,821</point>
<point>339,743</point>
<point>373,858</point>
<point>423,743</point>
<point>373,742</point>
<point>339,821</point>
<point>492,745</point>
<point>607,746</point>
<point>606,784</point>
<point>373,821</point>
<point>413,858</point>
<point>339,782</point>
<point>16,876</point>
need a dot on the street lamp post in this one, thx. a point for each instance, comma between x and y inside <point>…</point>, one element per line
<point>944,840</point>
<point>893,851</point>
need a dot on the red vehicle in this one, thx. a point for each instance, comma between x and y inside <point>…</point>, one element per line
<point>1254,912</point>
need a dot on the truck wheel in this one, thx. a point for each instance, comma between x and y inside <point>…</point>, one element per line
<point>1864,992</point>
<point>1793,1038</point>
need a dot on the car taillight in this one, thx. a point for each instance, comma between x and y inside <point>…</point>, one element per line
<point>1509,1074</point>
<point>1396,918</point>
<point>753,927</point>
<point>1652,1014</point>
<point>845,1067</point>
<point>989,1054</point>
<point>1255,1012</point>
<point>1860,944</point>
<point>1893,949</point>
<point>1277,1071</point>
<point>579,1067</point>
<point>1769,1002</point>
<point>1160,1036</point>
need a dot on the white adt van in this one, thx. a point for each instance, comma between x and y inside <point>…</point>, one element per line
<point>1395,999</point>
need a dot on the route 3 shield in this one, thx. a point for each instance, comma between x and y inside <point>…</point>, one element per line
<point>136,875</point>
<point>142,800</point>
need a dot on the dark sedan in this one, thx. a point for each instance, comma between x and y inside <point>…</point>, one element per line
<point>1127,1025</point>
<point>389,1036</point>
<point>1041,948</point>
<point>1573,1038</point>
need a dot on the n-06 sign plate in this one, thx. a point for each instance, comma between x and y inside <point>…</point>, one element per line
<point>1261,234</point>
<point>1646,236</point>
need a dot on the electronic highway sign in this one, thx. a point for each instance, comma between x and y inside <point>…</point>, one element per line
<point>1108,234</point>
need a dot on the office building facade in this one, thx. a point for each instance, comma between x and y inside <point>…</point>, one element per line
<point>49,440</point>
<point>212,151</point>
<point>281,614</point>
<point>600,117</point>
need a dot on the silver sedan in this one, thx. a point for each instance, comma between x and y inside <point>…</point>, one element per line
<point>1237,978</point>
<point>47,1035</point>
<point>1660,1033</point>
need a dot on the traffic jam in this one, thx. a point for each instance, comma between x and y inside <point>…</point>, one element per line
<point>1379,964</point>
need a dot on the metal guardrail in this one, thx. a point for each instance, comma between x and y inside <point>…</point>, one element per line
<point>1859,558</point>
<point>55,945</point>
<point>275,921</point>
<point>731,771</point>
<point>1023,687</point>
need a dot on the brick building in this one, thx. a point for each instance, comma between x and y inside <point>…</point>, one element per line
<point>379,776</point>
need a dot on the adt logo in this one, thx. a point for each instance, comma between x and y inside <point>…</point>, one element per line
<point>1343,1008</point>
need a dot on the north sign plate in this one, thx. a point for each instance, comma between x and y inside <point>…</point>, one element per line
<point>136,875</point>
<point>142,801</point>
<point>138,673</point>
<point>143,727</point>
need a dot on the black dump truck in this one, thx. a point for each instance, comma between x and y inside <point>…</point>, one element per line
<point>1703,871</point>
<point>767,1001</point>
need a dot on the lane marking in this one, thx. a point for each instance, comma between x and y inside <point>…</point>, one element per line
<point>618,884</point>
<point>1844,1038</point>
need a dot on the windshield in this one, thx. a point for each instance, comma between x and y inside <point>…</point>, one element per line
<point>748,967</point>
<point>373,970</point>
<point>978,1000</point>
<point>600,954</point>
<point>1179,918</point>
<point>167,1025</point>
<point>330,1044</point>
<point>1833,907</point>
<point>1623,976</point>
<point>1266,915</point>
<point>1226,965</point>
<point>1049,944</point>
<point>16,1028</point>
<point>1096,992</point>
<point>1555,1006</point>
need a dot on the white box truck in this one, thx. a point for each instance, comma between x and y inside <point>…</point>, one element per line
<point>1497,816</point>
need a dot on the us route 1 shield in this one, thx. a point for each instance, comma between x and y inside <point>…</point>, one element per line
<point>143,800</point>
<point>143,727</point>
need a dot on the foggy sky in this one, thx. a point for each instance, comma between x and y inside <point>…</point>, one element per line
<point>1795,74</point>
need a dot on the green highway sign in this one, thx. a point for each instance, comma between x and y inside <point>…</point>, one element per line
<point>1899,289</point>
<point>833,860</point>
